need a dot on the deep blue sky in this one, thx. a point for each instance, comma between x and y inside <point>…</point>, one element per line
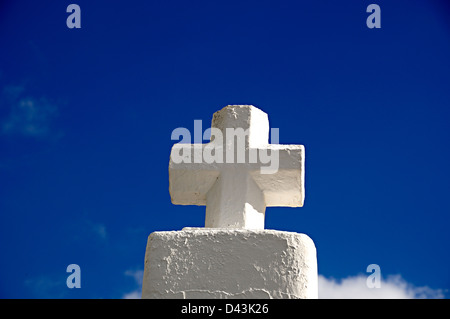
<point>86,117</point>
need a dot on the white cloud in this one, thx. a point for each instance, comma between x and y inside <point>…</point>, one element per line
<point>138,276</point>
<point>136,294</point>
<point>393,287</point>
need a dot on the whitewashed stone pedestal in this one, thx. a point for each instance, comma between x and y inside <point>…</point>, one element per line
<point>229,263</point>
<point>236,176</point>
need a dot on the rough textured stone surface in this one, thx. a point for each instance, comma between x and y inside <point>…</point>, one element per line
<point>229,263</point>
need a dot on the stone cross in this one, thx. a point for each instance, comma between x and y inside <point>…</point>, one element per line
<point>231,174</point>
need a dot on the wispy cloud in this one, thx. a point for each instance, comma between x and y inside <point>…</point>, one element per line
<point>28,116</point>
<point>393,287</point>
<point>46,286</point>
<point>136,294</point>
<point>97,229</point>
<point>138,276</point>
<point>84,229</point>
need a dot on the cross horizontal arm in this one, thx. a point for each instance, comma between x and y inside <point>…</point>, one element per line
<point>188,181</point>
<point>283,186</point>
<point>286,186</point>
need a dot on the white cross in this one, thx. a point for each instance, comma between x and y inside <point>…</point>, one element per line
<point>236,194</point>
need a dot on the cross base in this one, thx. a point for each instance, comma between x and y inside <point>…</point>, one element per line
<point>230,263</point>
